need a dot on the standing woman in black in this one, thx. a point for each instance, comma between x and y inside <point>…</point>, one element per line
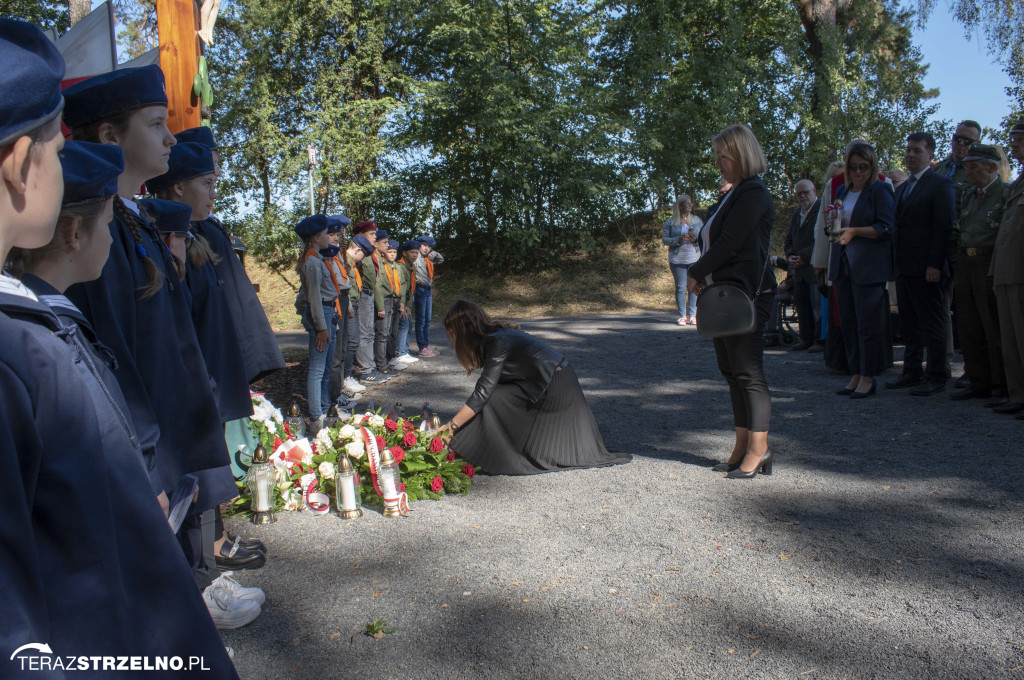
<point>736,239</point>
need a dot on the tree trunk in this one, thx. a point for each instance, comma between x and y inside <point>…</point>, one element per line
<point>79,9</point>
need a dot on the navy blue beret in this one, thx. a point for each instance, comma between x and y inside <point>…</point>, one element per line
<point>392,244</point>
<point>30,80</point>
<point>409,245</point>
<point>312,225</point>
<point>381,235</point>
<point>90,171</point>
<point>167,216</point>
<point>197,135</point>
<point>105,95</point>
<point>427,241</point>
<point>337,223</point>
<point>363,244</point>
<point>187,160</point>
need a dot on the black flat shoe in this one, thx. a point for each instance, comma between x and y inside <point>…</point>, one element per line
<point>248,543</point>
<point>904,381</point>
<point>928,389</point>
<point>232,556</point>
<point>864,395</point>
<point>764,467</point>
<point>997,400</point>
<point>1010,408</point>
<point>725,467</point>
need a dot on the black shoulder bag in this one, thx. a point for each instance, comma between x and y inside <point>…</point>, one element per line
<point>725,309</point>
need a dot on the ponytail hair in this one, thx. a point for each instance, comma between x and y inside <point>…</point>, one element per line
<point>154,277</point>
<point>200,252</point>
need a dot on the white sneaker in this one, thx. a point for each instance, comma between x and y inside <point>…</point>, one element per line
<point>352,385</point>
<point>407,359</point>
<point>229,584</point>
<point>227,611</point>
<point>681,321</point>
<point>231,652</point>
<point>396,365</point>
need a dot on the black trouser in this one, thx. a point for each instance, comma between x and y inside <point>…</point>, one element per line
<point>924,317</point>
<point>382,336</point>
<point>978,323</point>
<point>342,349</point>
<point>740,359</point>
<point>860,319</point>
<point>802,296</point>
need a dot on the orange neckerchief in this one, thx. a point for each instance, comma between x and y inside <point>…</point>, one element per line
<point>341,267</point>
<point>430,267</point>
<point>355,273</point>
<point>334,279</point>
<point>392,273</point>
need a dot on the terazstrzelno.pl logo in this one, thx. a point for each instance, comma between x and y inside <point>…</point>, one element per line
<point>39,657</point>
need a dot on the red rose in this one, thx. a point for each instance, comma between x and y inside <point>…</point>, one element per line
<point>277,442</point>
<point>436,484</point>
<point>398,452</point>
<point>381,444</point>
<point>407,426</point>
<point>436,444</point>
<point>287,430</point>
<point>451,457</point>
<point>390,425</point>
<point>401,487</point>
<point>409,439</point>
<point>469,470</point>
<point>315,452</point>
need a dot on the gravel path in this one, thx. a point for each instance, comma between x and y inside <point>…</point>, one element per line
<point>886,544</point>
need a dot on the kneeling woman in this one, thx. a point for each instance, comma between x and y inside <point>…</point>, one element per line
<point>527,414</point>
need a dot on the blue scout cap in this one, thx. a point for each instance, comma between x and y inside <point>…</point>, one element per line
<point>107,94</point>
<point>187,160</point>
<point>381,235</point>
<point>392,244</point>
<point>409,245</point>
<point>30,80</point>
<point>427,241</point>
<point>312,225</point>
<point>90,171</point>
<point>361,241</point>
<point>167,216</point>
<point>337,223</point>
<point>197,135</point>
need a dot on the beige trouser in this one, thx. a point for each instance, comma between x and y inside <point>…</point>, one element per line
<point>1010,303</point>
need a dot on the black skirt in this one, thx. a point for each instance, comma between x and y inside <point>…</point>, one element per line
<point>511,437</point>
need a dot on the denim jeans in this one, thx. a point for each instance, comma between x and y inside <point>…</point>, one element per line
<point>679,274</point>
<point>318,377</point>
<point>423,299</point>
<point>402,343</point>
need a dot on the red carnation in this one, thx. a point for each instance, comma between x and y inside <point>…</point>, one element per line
<point>401,487</point>
<point>469,470</point>
<point>451,457</point>
<point>398,452</point>
<point>436,444</point>
<point>409,439</point>
<point>277,442</point>
<point>390,425</point>
<point>436,484</point>
<point>407,426</point>
<point>381,444</point>
<point>287,430</point>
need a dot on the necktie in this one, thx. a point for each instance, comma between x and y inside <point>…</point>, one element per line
<point>981,195</point>
<point>910,186</point>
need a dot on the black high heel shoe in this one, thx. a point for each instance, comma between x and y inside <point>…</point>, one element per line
<point>864,395</point>
<point>725,467</point>
<point>764,467</point>
<point>845,391</point>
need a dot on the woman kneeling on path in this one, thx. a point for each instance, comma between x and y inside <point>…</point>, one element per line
<point>527,414</point>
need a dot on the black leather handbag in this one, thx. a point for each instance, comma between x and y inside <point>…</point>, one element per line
<point>725,309</point>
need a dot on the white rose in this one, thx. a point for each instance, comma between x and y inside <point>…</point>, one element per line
<point>376,421</point>
<point>347,432</point>
<point>355,449</point>
<point>326,470</point>
<point>323,439</point>
<point>270,425</point>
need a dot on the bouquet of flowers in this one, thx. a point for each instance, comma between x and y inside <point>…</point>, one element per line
<point>428,468</point>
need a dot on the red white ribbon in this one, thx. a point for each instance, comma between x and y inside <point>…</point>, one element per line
<point>373,456</point>
<point>317,503</point>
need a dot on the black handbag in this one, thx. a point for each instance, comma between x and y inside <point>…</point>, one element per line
<point>725,308</point>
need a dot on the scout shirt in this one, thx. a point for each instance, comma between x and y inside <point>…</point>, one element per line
<point>317,289</point>
<point>368,269</point>
<point>424,269</point>
<point>389,286</point>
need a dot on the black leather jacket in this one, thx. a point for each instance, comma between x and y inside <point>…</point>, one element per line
<point>512,356</point>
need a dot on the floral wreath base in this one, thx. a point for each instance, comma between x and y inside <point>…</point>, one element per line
<point>305,470</point>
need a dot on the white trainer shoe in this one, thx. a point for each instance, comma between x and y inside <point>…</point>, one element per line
<point>396,365</point>
<point>241,592</point>
<point>227,611</point>
<point>352,385</point>
<point>407,359</point>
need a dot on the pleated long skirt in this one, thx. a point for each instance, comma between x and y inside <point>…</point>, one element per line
<point>510,437</point>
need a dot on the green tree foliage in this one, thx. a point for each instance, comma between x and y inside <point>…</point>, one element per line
<point>46,15</point>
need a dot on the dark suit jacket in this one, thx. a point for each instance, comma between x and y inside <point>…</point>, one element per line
<point>871,259</point>
<point>924,225</point>
<point>739,237</point>
<point>800,241</point>
<point>512,356</point>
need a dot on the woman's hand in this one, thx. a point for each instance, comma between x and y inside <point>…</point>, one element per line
<point>845,236</point>
<point>693,285</point>
<point>321,341</point>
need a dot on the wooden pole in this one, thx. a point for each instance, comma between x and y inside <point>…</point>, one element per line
<point>178,24</point>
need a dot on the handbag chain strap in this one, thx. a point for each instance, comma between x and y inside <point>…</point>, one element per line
<point>760,279</point>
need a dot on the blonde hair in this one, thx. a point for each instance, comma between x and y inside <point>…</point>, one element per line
<point>1004,163</point>
<point>677,218</point>
<point>833,169</point>
<point>738,144</point>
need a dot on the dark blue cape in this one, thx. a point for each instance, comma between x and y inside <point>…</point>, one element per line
<point>260,350</point>
<point>155,338</point>
<point>88,564</point>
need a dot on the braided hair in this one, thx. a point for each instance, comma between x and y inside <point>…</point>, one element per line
<point>154,277</point>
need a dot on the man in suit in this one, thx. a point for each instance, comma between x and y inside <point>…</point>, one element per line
<point>925,206</point>
<point>799,246</point>
<point>1008,277</point>
<point>978,225</point>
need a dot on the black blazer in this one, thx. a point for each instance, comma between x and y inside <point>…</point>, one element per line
<point>739,237</point>
<point>924,225</point>
<point>871,259</point>
<point>512,356</point>
<point>800,241</point>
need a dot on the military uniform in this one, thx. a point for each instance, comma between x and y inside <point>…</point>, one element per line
<point>1008,277</point>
